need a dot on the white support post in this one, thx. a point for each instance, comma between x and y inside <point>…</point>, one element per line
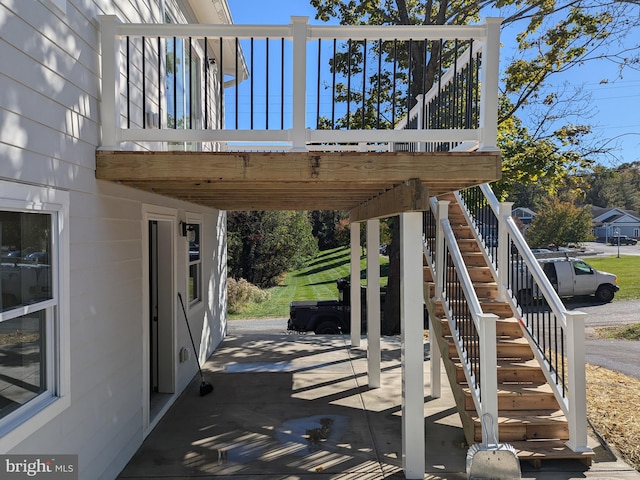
<point>299,136</point>
<point>355,298</point>
<point>577,381</point>
<point>110,72</point>
<point>489,369</point>
<point>412,339</point>
<point>373,303</point>
<point>489,86</point>
<point>504,212</point>
<point>434,349</point>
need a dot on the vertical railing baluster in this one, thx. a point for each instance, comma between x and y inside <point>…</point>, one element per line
<point>318,85</point>
<point>364,81</point>
<point>206,84</point>
<point>175,83</point>
<point>409,83</point>
<point>251,83</point>
<point>349,84</point>
<point>128,82</point>
<point>333,89</point>
<point>190,68</point>
<point>237,81</point>
<point>266,73</point>
<point>379,83</point>
<point>282,84</point>
<point>393,89</point>
<point>160,122</point>
<point>144,84</point>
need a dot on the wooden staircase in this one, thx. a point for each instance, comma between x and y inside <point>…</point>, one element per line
<point>530,418</point>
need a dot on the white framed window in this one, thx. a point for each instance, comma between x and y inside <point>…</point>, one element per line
<point>34,326</point>
<point>194,273</point>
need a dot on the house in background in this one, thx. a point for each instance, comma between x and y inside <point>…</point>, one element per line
<point>524,214</point>
<point>608,222</point>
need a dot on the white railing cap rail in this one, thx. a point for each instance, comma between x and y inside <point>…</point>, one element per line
<point>339,32</point>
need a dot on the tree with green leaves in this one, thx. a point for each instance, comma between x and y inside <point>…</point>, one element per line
<point>551,37</point>
<point>614,187</point>
<point>263,246</point>
<point>559,223</point>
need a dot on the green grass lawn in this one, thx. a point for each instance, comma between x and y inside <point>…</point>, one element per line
<point>317,281</point>
<point>627,268</point>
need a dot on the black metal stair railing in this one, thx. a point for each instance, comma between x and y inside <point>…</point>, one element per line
<point>483,219</point>
<point>541,322</point>
<point>531,294</point>
<point>465,328</point>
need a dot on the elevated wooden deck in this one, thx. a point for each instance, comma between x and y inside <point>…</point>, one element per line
<point>368,184</point>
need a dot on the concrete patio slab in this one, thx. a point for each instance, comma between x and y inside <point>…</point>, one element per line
<point>298,407</point>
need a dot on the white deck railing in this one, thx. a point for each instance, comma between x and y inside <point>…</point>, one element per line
<point>135,68</point>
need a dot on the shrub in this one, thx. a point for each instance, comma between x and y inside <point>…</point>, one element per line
<point>240,292</point>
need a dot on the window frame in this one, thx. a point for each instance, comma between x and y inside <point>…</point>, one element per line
<point>30,417</point>
<point>194,219</point>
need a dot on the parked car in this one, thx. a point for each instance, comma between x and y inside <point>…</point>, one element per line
<point>622,240</point>
<point>571,277</point>
<point>37,257</point>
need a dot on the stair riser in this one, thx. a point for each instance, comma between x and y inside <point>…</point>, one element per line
<point>509,433</point>
<point>481,275</point>
<point>522,352</point>
<point>486,290</point>
<point>504,328</point>
<point>474,258</point>
<point>498,308</point>
<point>523,402</point>
<point>515,375</point>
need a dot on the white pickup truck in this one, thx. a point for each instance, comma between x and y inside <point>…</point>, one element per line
<point>572,277</point>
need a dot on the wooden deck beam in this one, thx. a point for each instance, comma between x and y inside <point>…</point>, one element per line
<point>297,180</point>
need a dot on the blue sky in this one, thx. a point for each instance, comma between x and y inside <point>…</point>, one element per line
<point>613,110</point>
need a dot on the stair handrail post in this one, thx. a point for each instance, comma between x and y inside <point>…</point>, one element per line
<point>489,85</point>
<point>442,214</point>
<point>577,400</point>
<point>110,73</point>
<point>299,25</point>
<point>488,369</point>
<point>504,212</point>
